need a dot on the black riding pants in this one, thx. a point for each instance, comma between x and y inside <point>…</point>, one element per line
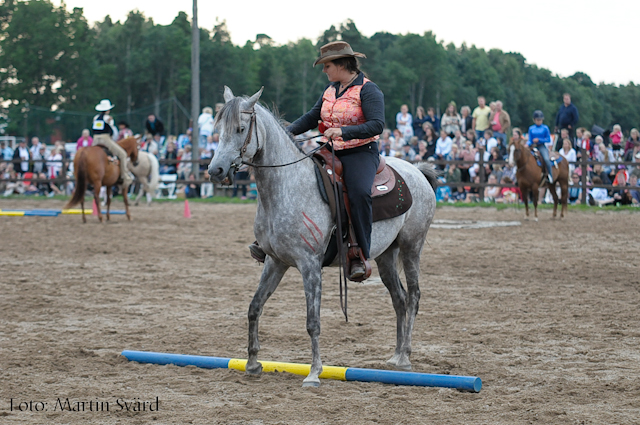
<point>359,167</point>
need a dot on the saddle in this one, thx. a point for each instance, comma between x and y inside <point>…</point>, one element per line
<point>111,157</point>
<point>329,171</point>
<point>554,157</point>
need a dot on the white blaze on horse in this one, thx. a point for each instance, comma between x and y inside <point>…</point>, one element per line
<point>293,224</point>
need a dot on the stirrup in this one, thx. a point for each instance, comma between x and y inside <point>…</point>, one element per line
<point>358,270</point>
<point>256,252</point>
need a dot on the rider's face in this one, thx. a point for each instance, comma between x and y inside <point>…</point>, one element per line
<point>332,71</point>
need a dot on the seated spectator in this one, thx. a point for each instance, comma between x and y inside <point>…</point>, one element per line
<point>471,136</point>
<point>397,141</point>
<point>454,154</point>
<point>407,153</point>
<point>621,196</point>
<point>509,172</point>
<point>192,189</point>
<point>385,139</point>
<point>433,119</point>
<point>185,165</point>
<point>422,151</point>
<point>413,142</point>
<point>508,195</point>
<point>489,141</point>
<point>123,130</point>
<point>85,139</point>
<point>599,172</point>
<point>633,141</point>
<point>575,191</point>
<point>491,192</point>
<point>443,193</point>
<point>239,180</point>
<point>6,152</point>
<point>387,151</point>
<point>184,139</point>
<point>443,147</point>
<point>473,192</point>
<point>453,175</point>
<point>468,153</point>
<point>634,190</point>
<point>206,188</point>
<point>458,139</point>
<point>170,167</point>
<point>600,195</point>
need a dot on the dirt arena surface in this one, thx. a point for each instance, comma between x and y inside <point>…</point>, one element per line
<point>545,313</point>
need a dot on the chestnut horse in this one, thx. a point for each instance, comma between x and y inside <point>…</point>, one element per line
<point>529,176</point>
<point>91,165</point>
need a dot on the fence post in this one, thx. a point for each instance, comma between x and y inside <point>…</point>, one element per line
<point>583,178</point>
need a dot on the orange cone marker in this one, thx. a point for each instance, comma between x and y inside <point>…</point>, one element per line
<point>95,208</point>
<point>187,210</point>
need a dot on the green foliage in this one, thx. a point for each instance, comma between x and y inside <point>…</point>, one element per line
<point>53,59</point>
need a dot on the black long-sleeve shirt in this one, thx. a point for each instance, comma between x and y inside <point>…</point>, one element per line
<point>372,102</point>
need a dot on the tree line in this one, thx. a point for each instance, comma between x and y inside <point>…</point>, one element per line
<point>53,60</point>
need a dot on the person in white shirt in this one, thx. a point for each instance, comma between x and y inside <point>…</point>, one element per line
<point>205,125</point>
<point>569,154</point>
<point>404,122</point>
<point>490,141</point>
<point>443,145</point>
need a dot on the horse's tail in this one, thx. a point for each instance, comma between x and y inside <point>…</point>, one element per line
<point>429,172</point>
<point>154,174</point>
<point>80,167</point>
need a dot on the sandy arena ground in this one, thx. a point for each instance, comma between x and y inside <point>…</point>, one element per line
<point>545,313</point>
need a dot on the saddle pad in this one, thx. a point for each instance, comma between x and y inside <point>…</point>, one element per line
<point>394,202</point>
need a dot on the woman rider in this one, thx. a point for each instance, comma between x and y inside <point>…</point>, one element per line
<point>352,111</point>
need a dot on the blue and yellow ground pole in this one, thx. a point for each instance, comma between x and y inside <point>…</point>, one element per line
<point>463,383</point>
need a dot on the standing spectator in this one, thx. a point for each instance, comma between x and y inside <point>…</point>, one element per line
<point>404,122</point>
<point>6,151</point>
<point>616,137</point>
<point>633,141</point>
<point>124,130</point>
<point>585,144</point>
<point>85,140</point>
<point>568,153</point>
<point>38,160</point>
<point>154,126</point>
<point>443,147</point>
<point>418,120</point>
<point>21,158</point>
<point>500,123</point>
<point>564,134</point>
<point>184,167</point>
<point>35,146</point>
<point>433,119</point>
<point>567,116</point>
<point>450,122</point>
<point>481,117</point>
<point>205,125</point>
<point>151,145</point>
<point>466,122</point>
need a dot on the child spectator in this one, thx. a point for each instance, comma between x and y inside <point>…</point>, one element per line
<point>616,140</point>
<point>491,192</point>
<point>599,194</point>
<point>575,191</point>
<point>508,195</point>
<point>633,141</point>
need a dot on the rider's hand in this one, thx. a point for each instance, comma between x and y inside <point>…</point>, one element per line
<point>333,133</point>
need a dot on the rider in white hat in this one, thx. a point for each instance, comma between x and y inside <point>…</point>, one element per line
<point>105,132</point>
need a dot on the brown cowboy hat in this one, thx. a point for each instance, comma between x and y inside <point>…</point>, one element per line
<point>336,50</point>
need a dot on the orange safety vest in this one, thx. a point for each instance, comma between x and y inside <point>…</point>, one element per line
<point>344,111</point>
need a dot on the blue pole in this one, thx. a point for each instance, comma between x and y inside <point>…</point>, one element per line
<point>463,383</point>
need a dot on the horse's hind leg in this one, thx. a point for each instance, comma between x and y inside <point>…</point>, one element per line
<point>84,218</point>
<point>387,267</point>
<point>271,276</point>
<point>96,198</point>
<point>108,202</point>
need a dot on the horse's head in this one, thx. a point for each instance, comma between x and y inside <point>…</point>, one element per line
<point>515,151</point>
<point>238,135</point>
<point>130,145</point>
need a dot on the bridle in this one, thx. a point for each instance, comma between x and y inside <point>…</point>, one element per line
<point>238,161</point>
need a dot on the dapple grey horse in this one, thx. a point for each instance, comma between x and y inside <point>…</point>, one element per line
<point>147,172</point>
<point>293,225</point>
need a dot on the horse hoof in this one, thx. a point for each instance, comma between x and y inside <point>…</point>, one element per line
<point>311,383</point>
<point>254,371</point>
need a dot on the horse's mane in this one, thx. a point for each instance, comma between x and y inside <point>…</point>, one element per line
<point>229,117</point>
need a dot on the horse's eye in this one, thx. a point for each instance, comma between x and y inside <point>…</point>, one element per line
<point>240,129</point>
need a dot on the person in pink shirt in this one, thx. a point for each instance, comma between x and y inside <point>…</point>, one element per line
<point>616,140</point>
<point>85,140</point>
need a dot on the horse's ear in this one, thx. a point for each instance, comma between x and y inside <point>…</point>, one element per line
<point>253,99</point>
<point>228,94</point>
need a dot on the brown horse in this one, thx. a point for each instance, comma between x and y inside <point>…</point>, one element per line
<point>91,165</point>
<point>530,176</point>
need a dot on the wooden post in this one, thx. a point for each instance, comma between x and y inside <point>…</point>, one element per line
<point>195,90</point>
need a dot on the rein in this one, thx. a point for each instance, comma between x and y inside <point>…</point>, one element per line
<point>243,150</point>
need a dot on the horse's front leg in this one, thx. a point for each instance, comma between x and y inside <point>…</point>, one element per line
<point>271,277</point>
<point>535,192</point>
<point>312,280</point>
<point>126,201</point>
<point>564,195</point>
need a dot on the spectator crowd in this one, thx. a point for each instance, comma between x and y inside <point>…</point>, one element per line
<point>456,142</point>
